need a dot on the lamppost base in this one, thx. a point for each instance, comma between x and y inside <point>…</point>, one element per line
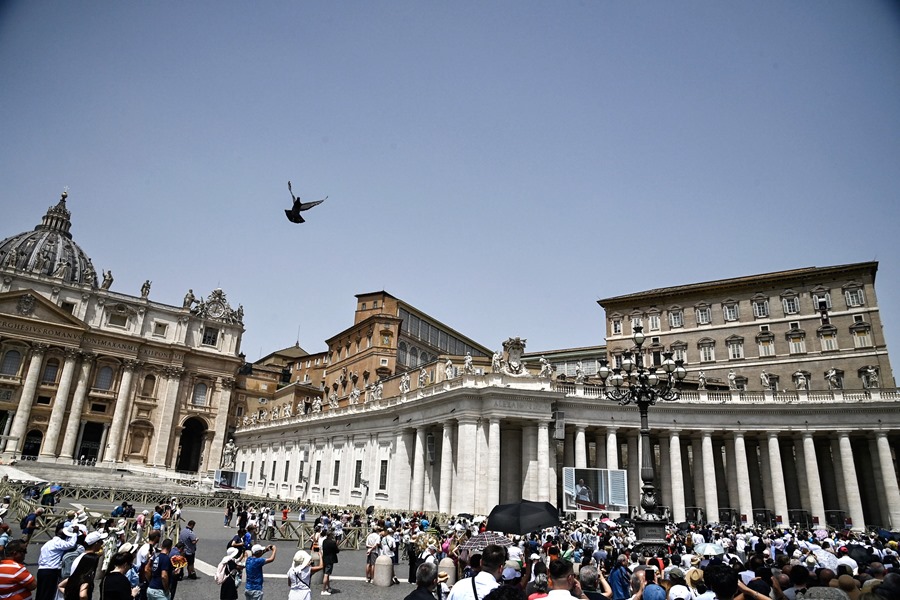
<point>651,536</point>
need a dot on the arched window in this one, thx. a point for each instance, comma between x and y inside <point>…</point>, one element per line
<point>413,357</point>
<point>50,371</point>
<point>104,378</point>
<point>401,353</point>
<point>199,397</point>
<point>148,386</point>
<point>11,362</point>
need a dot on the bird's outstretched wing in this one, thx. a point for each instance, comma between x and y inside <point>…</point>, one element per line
<point>309,205</point>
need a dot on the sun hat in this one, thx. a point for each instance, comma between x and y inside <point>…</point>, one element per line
<point>94,537</point>
<point>509,574</point>
<point>257,548</point>
<point>301,559</point>
<point>443,576</point>
<point>127,547</point>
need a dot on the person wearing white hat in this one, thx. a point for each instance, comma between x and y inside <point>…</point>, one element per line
<point>227,574</point>
<point>50,562</point>
<point>300,575</point>
<point>253,588</point>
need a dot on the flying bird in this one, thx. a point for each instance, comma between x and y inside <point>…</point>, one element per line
<point>293,214</point>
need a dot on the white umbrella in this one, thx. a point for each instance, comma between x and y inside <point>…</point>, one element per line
<point>710,549</point>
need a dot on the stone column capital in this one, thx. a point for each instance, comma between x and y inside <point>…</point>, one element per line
<point>227,383</point>
<point>129,364</point>
<point>39,348</point>
<point>71,353</point>
<point>87,357</point>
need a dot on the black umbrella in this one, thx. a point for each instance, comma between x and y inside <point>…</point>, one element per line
<point>370,510</point>
<point>522,517</point>
<point>468,516</point>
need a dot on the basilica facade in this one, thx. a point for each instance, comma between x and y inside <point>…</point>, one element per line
<point>92,375</point>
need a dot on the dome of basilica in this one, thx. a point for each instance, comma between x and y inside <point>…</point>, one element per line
<point>49,250</point>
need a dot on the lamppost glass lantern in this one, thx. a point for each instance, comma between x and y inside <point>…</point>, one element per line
<point>644,387</point>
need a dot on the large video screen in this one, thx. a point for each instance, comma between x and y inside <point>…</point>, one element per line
<point>595,490</point>
<point>230,480</point>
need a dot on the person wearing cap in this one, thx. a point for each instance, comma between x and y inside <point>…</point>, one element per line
<point>50,562</point>
<point>17,582</point>
<point>300,575</point>
<point>511,576</point>
<point>253,588</point>
<point>93,544</point>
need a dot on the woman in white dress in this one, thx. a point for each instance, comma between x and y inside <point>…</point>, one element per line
<point>300,575</point>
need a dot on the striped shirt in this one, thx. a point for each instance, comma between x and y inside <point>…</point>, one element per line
<point>14,581</point>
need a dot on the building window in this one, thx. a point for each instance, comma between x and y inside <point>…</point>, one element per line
<point>862,337</point>
<point>210,336</point>
<point>118,320</point>
<point>337,474</point>
<point>98,407</point>
<point>382,476</point>
<point>262,470</point>
<point>791,305</point>
<point>43,400</point>
<point>300,475</point>
<point>707,350</point>
<point>617,360</point>
<point>148,386</point>
<point>51,369</point>
<point>829,342</point>
<point>357,474</point>
<point>287,467</point>
<point>821,300</point>
<point>735,349</point>
<point>854,297</point>
<point>654,322</point>
<point>796,342</point>
<point>617,327</point>
<point>11,362</point>
<point>679,351</point>
<point>104,378</point>
<point>363,307</point>
<point>6,394</point>
<point>318,472</point>
<point>68,307</point>
<point>730,312</point>
<point>159,329</point>
<point>676,318</point>
<point>636,322</point>
<point>760,308</point>
<point>765,341</point>
<point>402,353</point>
<point>274,465</point>
<point>703,316</point>
<point>199,396</point>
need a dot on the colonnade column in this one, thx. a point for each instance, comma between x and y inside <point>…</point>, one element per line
<point>710,489</point>
<point>120,416</point>
<point>417,493</point>
<point>400,475</point>
<point>813,484</point>
<point>464,486</point>
<point>529,462</point>
<point>20,423</point>
<point>779,495</point>
<point>445,501</point>
<point>697,473</point>
<point>58,413</point>
<point>493,475</point>
<point>678,504</point>
<point>889,475</point>
<point>745,499</point>
<point>580,448</point>
<point>848,466</point>
<point>74,423</point>
<point>612,449</point>
<point>543,452</point>
<point>634,469</point>
<point>600,455</point>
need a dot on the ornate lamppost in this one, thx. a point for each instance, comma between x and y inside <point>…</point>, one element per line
<point>633,383</point>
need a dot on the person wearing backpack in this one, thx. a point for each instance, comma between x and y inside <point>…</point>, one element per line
<point>50,562</point>
<point>228,574</point>
<point>159,573</point>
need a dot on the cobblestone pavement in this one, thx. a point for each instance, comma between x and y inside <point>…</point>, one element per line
<point>348,580</point>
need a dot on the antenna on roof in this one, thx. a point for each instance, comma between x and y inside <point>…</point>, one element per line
<point>298,336</point>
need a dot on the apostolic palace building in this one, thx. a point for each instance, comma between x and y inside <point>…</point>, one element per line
<point>789,412</point>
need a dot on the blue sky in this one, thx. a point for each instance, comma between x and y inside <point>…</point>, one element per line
<point>499,165</point>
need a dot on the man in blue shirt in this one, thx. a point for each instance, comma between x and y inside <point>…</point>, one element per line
<point>161,579</point>
<point>253,588</point>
